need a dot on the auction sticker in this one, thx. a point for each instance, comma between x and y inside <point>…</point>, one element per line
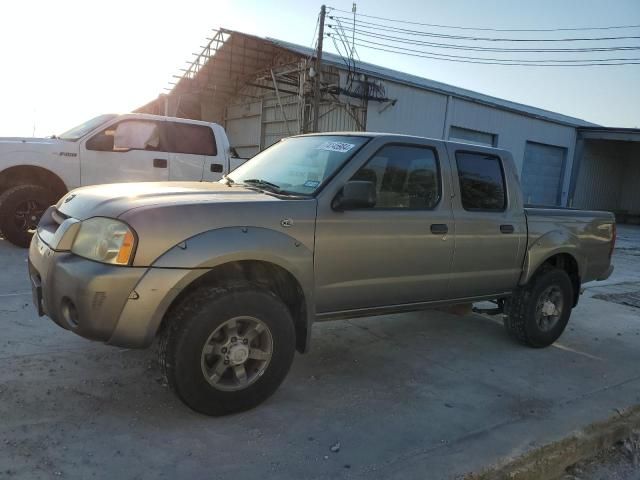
<point>335,146</point>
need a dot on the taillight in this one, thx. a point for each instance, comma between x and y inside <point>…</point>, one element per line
<point>613,239</point>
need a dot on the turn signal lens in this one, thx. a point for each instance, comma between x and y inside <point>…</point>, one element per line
<point>126,249</point>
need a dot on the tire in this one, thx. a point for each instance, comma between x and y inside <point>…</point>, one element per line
<point>202,320</point>
<point>20,210</point>
<point>527,318</point>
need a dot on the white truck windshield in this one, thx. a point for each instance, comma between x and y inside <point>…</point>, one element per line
<point>81,130</point>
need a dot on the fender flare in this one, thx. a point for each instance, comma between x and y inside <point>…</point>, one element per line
<point>548,245</point>
<point>187,261</point>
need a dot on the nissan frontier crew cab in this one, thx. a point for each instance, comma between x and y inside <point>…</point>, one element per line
<point>36,172</point>
<point>231,275</point>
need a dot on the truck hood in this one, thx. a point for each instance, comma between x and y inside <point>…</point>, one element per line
<point>115,199</point>
<point>29,140</point>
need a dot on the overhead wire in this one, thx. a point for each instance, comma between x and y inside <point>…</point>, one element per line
<point>495,59</point>
<point>425,44</point>
<point>490,29</point>
<point>364,31</point>
<point>484,39</point>
<point>508,63</point>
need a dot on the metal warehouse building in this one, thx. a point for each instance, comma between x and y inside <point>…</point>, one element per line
<point>262,90</point>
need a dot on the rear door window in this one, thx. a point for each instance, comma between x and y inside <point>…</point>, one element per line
<point>482,185</point>
<point>192,139</point>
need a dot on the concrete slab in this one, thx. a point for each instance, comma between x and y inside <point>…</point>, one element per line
<point>427,395</point>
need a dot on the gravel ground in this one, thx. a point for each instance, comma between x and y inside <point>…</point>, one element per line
<point>620,462</point>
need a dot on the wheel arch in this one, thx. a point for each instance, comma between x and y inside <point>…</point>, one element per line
<point>567,262</point>
<point>266,275</point>
<point>34,175</point>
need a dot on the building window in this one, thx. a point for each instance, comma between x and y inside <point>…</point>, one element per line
<point>467,135</point>
<point>481,182</point>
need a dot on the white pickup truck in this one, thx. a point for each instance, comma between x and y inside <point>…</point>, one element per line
<point>135,147</point>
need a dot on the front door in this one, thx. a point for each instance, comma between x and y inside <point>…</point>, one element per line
<point>397,252</point>
<point>126,151</point>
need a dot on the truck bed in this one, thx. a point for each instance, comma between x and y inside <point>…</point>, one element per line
<point>587,232</point>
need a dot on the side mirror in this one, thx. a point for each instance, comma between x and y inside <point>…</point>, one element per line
<point>355,194</point>
<point>101,143</point>
<point>233,152</point>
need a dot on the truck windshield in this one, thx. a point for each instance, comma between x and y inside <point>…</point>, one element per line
<point>81,130</point>
<point>298,165</point>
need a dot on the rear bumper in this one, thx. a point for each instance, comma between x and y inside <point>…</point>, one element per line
<point>607,273</point>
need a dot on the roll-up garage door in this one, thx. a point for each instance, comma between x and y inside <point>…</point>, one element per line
<point>542,174</point>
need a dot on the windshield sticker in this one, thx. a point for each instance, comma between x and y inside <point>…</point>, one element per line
<point>311,183</point>
<point>335,146</point>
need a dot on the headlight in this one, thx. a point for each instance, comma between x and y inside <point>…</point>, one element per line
<point>105,240</point>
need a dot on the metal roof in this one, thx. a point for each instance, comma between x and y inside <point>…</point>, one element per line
<point>427,84</point>
<point>233,58</point>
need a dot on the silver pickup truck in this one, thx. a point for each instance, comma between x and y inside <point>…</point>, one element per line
<point>230,276</point>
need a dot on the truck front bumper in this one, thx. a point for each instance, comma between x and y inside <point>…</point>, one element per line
<point>118,305</point>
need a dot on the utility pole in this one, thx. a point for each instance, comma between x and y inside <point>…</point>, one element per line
<point>316,93</point>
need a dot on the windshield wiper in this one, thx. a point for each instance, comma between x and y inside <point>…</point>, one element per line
<point>264,184</point>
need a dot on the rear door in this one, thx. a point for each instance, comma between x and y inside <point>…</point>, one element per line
<point>490,225</point>
<point>130,150</point>
<point>193,152</point>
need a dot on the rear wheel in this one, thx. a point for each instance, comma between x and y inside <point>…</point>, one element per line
<point>538,313</point>
<point>20,210</point>
<point>226,350</point>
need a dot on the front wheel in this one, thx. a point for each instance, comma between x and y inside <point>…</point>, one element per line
<point>538,313</point>
<point>20,210</point>
<point>227,350</point>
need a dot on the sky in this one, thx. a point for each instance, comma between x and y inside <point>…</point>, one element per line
<point>65,61</point>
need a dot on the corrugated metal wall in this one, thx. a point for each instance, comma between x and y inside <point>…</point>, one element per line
<point>600,177</point>
<point>609,176</point>
<point>275,125</point>
<point>630,198</point>
<point>243,126</point>
<point>335,117</point>
<point>425,113</point>
<point>513,130</point>
<point>416,112</point>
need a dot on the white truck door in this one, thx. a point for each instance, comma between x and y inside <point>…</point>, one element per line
<point>130,150</point>
<point>188,145</point>
<point>216,160</point>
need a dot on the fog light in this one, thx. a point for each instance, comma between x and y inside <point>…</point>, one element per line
<point>69,312</point>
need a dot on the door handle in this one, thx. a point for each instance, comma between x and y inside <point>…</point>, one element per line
<point>439,228</point>
<point>159,163</point>
<point>507,228</point>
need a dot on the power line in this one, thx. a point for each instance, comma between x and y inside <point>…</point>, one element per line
<point>457,27</point>
<point>364,31</point>
<point>505,62</point>
<point>435,54</point>
<point>484,39</point>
